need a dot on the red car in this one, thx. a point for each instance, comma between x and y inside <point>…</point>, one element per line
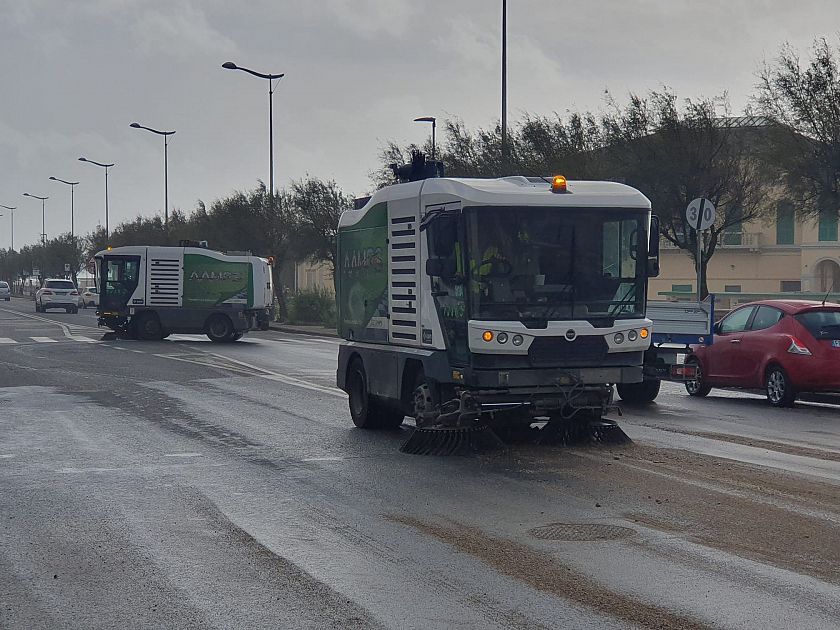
<point>785,347</point>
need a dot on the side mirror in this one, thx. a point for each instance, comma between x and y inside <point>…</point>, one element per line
<point>716,328</point>
<point>653,248</point>
<point>440,267</point>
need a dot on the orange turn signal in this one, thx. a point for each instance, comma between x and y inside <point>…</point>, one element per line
<point>643,333</point>
<point>487,336</point>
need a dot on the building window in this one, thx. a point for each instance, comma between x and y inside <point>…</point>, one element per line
<point>784,224</point>
<point>681,288</point>
<point>310,278</point>
<point>790,286</point>
<point>732,288</point>
<point>828,225</point>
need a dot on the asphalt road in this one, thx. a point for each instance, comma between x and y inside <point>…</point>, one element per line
<point>184,484</point>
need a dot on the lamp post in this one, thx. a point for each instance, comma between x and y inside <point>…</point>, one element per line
<point>433,120</point>
<point>12,210</point>
<point>504,88</point>
<point>43,216</point>
<point>72,189</point>
<point>229,65</point>
<point>106,167</point>
<point>165,135</point>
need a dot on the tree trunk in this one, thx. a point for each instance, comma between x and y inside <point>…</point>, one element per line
<point>704,285</point>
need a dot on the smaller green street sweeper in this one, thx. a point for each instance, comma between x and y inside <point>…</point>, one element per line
<point>482,306</point>
<point>150,292</point>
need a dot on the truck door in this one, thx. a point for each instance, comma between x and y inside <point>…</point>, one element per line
<point>118,280</point>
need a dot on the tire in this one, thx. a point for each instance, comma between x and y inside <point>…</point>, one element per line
<point>37,308</point>
<point>237,336</point>
<point>367,411</point>
<point>68,310</point>
<point>219,329</point>
<point>639,393</point>
<point>423,397</point>
<point>357,395</point>
<point>779,389</point>
<point>147,327</point>
<point>697,387</point>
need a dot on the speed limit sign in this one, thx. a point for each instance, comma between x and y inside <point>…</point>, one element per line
<point>700,214</point>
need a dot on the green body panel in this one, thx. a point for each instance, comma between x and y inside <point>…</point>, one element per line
<point>363,277</point>
<point>209,282</point>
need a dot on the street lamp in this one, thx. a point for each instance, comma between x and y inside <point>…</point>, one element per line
<point>229,65</point>
<point>12,210</point>
<point>433,120</point>
<point>43,216</point>
<point>106,167</point>
<point>72,189</point>
<point>504,88</point>
<point>165,135</point>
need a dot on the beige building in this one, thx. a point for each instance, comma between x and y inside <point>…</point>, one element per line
<point>313,275</point>
<point>782,255</point>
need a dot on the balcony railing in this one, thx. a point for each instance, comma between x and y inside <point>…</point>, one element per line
<point>727,240</point>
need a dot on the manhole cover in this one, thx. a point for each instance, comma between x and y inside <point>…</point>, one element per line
<point>581,532</point>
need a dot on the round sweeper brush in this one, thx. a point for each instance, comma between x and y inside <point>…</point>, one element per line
<point>452,441</point>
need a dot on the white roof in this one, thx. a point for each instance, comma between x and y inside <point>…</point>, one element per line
<point>511,191</point>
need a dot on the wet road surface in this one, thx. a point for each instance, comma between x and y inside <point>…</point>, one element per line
<point>188,484</point>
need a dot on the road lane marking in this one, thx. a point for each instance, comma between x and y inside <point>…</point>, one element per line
<point>183,455</point>
<point>83,339</point>
<point>7,340</point>
<point>44,339</point>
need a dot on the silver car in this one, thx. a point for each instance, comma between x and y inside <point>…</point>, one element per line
<point>5,291</point>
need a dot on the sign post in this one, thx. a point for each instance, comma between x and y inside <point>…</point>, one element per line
<point>700,215</point>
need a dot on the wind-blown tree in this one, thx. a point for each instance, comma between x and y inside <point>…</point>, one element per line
<point>316,207</point>
<point>674,154</point>
<point>805,99</point>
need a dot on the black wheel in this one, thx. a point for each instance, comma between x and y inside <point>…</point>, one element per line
<point>219,329</point>
<point>37,308</point>
<point>357,395</point>
<point>780,391</point>
<point>643,392</point>
<point>369,412</point>
<point>697,387</point>
<point>68,310</point>
<point>237,336</point>
<point>148,328</point>
<point>424,400</point>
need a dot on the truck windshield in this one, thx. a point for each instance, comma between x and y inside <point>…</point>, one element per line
<point>556,263</point>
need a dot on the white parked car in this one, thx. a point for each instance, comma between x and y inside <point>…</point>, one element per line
<point>57,293</point>
<point>90,297</point>
<point>5,291</point>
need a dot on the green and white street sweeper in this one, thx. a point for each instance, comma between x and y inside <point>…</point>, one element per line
<point>150,292</point>
<point>501,303</point>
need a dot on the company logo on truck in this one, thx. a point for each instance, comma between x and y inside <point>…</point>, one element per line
<point>217,276</point>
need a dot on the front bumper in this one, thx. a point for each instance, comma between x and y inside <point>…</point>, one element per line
<point>551,377</point>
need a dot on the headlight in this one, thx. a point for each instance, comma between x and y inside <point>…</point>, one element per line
<point>517,340</point>
<point>502,337</point>
<point>619,338</point>
<point>632,335</point>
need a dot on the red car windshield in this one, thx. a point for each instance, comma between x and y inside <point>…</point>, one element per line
<point>821,324</point>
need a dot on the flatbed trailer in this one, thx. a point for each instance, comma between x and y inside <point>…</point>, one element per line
<point>677,326</point>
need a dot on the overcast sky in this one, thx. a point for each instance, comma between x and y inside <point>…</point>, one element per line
<point>76,73</point>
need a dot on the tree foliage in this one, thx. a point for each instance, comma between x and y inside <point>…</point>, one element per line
<point>804,97</point>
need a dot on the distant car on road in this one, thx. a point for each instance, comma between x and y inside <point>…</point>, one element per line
<point>784,347</point>
<point>90,297</point>
<point>57,293</point>
<point>5,291</point>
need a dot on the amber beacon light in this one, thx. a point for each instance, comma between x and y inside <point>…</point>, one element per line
<point>558,184</point>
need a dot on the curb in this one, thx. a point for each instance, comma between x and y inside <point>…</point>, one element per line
<point>297,331</point>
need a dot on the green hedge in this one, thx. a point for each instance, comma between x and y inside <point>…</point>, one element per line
<point>312,306</point>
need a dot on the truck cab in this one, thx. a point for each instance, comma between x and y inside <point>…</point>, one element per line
<point>518,297</point>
